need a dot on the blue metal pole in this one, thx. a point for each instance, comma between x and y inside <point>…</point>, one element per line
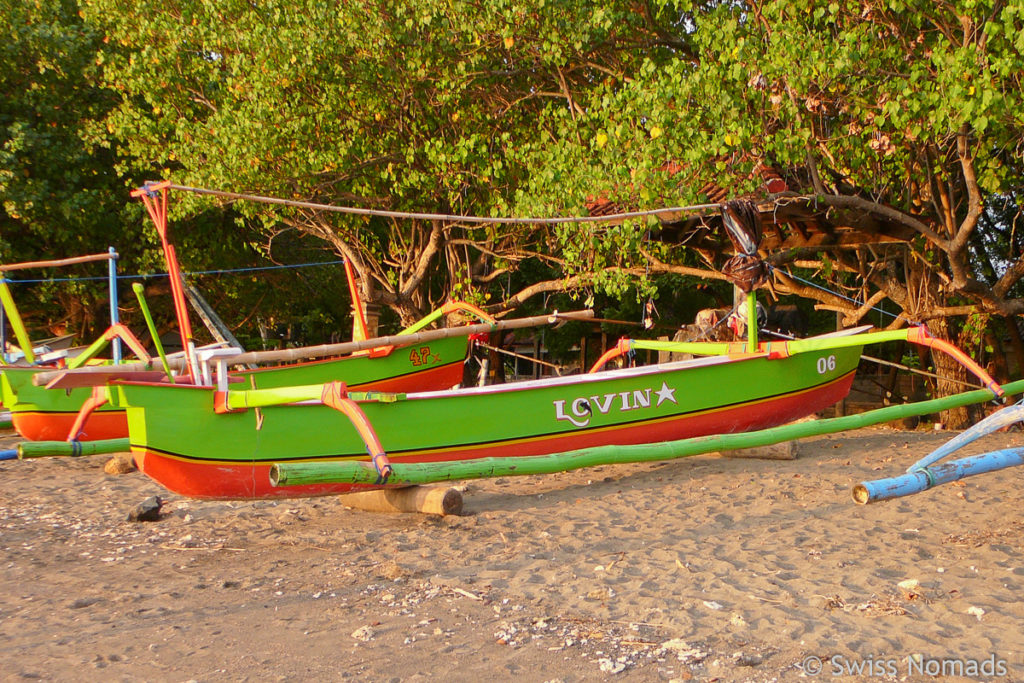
<point>114,317</point>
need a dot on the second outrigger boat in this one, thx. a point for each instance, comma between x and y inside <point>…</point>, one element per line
<point>38,414</point>
<point>70,412</point>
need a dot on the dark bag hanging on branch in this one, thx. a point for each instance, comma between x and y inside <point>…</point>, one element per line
<point>742,222</point>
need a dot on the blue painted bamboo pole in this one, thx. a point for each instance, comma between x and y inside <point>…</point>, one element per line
<point>923,479</point>
<point>9,454</point>
<point>997,420</point>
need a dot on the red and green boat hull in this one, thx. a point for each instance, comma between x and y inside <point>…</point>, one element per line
<point>180,441</point>
<point>40,414</point>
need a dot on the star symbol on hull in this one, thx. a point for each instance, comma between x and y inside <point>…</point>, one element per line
<point>666,394</point>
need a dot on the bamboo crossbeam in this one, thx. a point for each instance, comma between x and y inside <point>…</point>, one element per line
<point>243,399</point>
<point>56,263</point>
<point>361,472</point>
<point>325,350</point>
<point>44,379</point>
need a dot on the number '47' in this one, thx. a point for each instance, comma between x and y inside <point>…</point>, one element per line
<point>420,356</point>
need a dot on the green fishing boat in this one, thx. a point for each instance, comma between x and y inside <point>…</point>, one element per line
<point>220,442</point>
<point>208,443</point>
<point>38,414</point>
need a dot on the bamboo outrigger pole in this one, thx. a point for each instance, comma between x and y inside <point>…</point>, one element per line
<point>57,262</point>
<point>925,473</point>
<point>362,472</point>
<point>7,301</point>
<point>327,350</point>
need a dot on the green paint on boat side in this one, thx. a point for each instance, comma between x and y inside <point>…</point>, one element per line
<point>19,395</point>
<point>359,369</point>
<point>300,474</point>
<point>302,392</point>
<point>167,419</point>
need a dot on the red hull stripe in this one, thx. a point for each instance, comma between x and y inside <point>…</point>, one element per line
<point>54,426</point>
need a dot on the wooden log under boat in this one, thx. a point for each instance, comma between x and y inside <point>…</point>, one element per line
<point>428,500</point>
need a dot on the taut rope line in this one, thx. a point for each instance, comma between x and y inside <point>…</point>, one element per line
<point>451,218</point>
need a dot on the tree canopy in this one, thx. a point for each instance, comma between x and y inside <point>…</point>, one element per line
<point>58,195</point>
<point>398,106</point>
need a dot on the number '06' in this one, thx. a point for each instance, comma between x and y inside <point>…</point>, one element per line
<point>826,364</point>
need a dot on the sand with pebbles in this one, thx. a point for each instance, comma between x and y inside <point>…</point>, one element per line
<point>707,568</point>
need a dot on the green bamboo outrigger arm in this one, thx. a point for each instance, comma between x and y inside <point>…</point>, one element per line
<point>151,326</point>
<point>449,307</point>
<point>243,399</point>
<point>788,347</point>
<point>20,333</point>
<point>362,472</point>
<point>791,347</point>
<point>42,449</point>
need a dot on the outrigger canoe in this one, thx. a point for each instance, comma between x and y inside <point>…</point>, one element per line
<point>40,413</point>
<point>216,441</point>
<point>205,442</point>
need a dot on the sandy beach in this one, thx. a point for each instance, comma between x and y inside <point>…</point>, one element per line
<point>707,568</point>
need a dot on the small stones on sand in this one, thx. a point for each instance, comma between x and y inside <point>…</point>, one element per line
<point>83,602</point>
<point>120,463</point>
<point>976,612</point>
<point>684,651</point>
<point>363,633</point>
<point>146,511</point>
<point>609,666</point>
<point>747,659</point>
<point>391,570</point>
<point>911,588</point>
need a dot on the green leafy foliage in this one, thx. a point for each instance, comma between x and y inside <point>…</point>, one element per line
<point>58,196</point>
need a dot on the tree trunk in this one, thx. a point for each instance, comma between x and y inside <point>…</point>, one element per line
<point>1017,344</point>
<point>953,379</point>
